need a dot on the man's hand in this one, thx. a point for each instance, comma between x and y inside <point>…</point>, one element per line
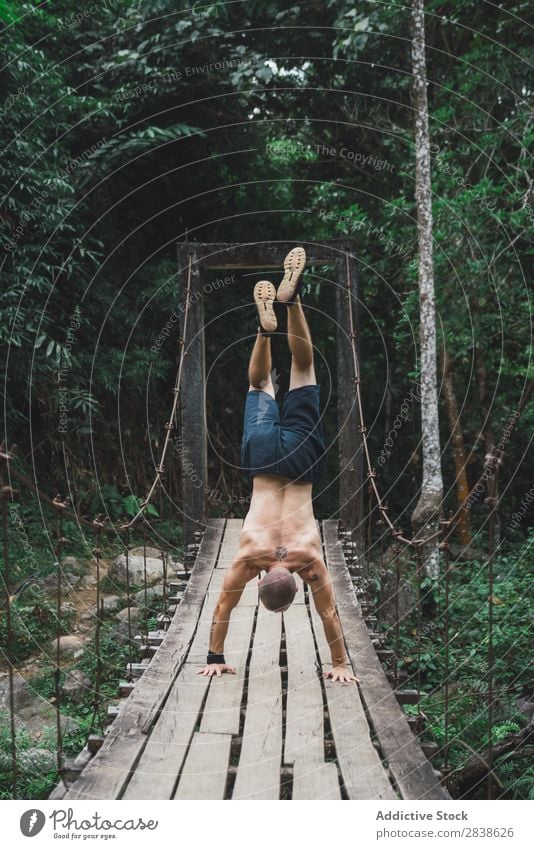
<point>216,669</point>
<point>341,674</point>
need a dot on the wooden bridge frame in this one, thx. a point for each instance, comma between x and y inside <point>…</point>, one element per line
<point>276,729</point>
<point>265,255</point>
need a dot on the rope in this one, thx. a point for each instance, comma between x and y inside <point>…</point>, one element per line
<point>160,468</point>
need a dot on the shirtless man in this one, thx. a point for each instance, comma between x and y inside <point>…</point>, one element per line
<point>284,455</point>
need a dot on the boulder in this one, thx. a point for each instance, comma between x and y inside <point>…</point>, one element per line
<point>120,624</point>
<point>88,581</point>
<point>69,646</point>
<point>34,760</point>
<point>72,564</point>
<point>152,592</point>
<point>76,684</point>
<point>34,713</point>
<point>135,615</point>
<point>150,552</point>
<point>48,584</point>
<point>110,602</point>
<point>22,693</point>
<point>136,568</point>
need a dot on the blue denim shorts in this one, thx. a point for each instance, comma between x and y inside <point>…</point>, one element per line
<point>289,444</point>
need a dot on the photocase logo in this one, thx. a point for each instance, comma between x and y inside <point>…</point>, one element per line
<point>32,822</point>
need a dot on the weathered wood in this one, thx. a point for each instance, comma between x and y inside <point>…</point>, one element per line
<point>192,442</point>
<point>304,738</point>
<point>411,771</point>
<point>221,712</point>
<point>230,545</point>
<point>200,645</point>
<point>258,772</point>
<point>108,772</point>
<point>206,769</point>
<point>349,437</point>
<point>264,254</point>
<point>315,780</point>
<point>362,772</point>
<point>160,764</point>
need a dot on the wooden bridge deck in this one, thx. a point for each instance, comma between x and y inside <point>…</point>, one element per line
<point>277,729</point>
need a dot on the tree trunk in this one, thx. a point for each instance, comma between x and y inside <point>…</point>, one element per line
<point>491,495</point>
<point>425,518</point>
<point>458,448</point>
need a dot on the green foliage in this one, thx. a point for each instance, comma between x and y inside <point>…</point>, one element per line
<point>468,659</point>
<point>129,127</point>
<point>34,623</point>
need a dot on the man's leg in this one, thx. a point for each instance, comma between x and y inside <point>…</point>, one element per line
<point>300,345</point>
<point>260,366</point>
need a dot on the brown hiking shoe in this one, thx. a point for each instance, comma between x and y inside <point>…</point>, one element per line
<point>264,297</point>
<point>293,267</point>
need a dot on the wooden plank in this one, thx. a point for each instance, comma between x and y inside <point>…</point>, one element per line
<point>315,781</point>
<point>304,739</point>
<point>222,710</point>
<point>206,769</point>
<point>58,792</point>
<point>199,646</point>
<point>248,597</point>
<point>231,542</point>
<point>158,769</point>
<point>258,772</point>
<point>412,772</point>
<point>263,255</point>
<point>106,775</point>
<point>228,550</point>
<point>363,774</point>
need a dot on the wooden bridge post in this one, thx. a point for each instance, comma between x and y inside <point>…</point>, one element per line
<point>349,439</point>
<point>192,432</point>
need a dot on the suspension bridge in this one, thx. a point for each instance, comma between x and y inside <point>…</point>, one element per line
<point>277,729</point>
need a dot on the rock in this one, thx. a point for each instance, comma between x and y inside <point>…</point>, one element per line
<point>135,615</point>
<point>48,585</point>
<point>88,581</point>
<point>22,694</point>
<point>152,592</point>
<point>150,552</point>
<point>72,564</point>
<point>110,602</point>
<point>34,713</point>
<point>120,625</point>
<point>136,568</point>
<point>76,683</point>
<point>68,645</point>
<point>33,760</point>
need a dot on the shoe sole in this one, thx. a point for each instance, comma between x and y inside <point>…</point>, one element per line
<point>264,297</point>
<point>293,267</point>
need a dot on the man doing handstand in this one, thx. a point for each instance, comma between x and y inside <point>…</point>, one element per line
<point>284,455</point>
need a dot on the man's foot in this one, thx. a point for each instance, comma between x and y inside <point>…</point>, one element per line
<point>265,296</point>
<point>294,264</point>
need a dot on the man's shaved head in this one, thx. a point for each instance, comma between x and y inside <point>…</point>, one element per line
<point>277,589</point>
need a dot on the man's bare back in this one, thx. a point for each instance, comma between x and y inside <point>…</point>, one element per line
<point>280,525</point>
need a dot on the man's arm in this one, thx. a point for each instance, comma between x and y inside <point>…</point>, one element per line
<point>323,597</point>
<point>234,583</point>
